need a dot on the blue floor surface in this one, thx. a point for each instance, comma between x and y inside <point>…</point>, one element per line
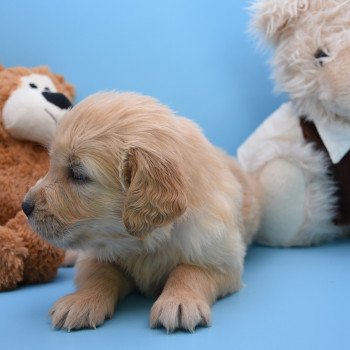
<point>293,299</point>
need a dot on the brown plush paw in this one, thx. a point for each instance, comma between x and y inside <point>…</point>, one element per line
<point>12,256</point>
<point>180,310</point>
<point>43,260</point>
<point>82,309</point>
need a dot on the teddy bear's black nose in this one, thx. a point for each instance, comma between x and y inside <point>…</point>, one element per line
<point>28,207</point>
<point>57,99</point>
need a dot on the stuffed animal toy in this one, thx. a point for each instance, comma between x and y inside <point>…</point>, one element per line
<point>301,152</point>
<point>32,102</point>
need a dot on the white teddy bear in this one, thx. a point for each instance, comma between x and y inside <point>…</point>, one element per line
<point>301,152</point>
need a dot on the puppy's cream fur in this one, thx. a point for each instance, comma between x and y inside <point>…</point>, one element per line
<point>154,206</point>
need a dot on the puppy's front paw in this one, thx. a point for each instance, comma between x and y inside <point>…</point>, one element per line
<point>180,309</point>
<point>82,309</point>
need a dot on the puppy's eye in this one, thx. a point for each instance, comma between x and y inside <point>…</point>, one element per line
<point>319,55</point>
<point>33,86</point>
<point>77,176</point>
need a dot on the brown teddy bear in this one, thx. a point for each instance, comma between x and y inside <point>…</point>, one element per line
<point>32,102</point>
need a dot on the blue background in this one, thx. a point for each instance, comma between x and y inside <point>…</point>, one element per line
<point>195,56</point>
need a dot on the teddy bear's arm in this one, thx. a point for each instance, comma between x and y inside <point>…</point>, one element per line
<point>42,261</point>
<point>12,255</point>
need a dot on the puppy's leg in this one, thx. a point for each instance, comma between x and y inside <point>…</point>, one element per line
<point>188,295</point>
<point>100,285</point>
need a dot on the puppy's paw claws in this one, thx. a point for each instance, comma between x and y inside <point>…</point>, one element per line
<point>180,310</point>
<point>80,310</point>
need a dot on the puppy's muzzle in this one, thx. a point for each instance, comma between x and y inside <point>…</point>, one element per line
<point>28,206</point>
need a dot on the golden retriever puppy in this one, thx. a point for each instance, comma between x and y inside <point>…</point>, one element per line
<point>153,205</point>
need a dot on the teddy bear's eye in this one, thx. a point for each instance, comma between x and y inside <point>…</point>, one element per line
<point>32,85</point>
<point>46,89</point>
<point>320,54</point>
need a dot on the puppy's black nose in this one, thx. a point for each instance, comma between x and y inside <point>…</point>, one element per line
<point>58,99</point>
<point>28,207</point>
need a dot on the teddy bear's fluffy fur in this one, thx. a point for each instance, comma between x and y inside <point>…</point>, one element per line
<point>297,29</point>
<point>311,63</point>
<point>24,257</point>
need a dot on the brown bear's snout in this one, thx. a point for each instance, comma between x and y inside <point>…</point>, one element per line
<point>58,99</point>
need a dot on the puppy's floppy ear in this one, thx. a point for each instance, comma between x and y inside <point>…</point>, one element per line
<point>272,17</point>
<point>155,191</point>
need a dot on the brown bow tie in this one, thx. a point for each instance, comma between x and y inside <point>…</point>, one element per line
<point>340,172</point>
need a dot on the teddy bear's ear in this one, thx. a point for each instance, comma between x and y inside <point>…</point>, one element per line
<point>272,17</point>
<point>41,70</point>
<point>63,86</point>
<point>1,67</point>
